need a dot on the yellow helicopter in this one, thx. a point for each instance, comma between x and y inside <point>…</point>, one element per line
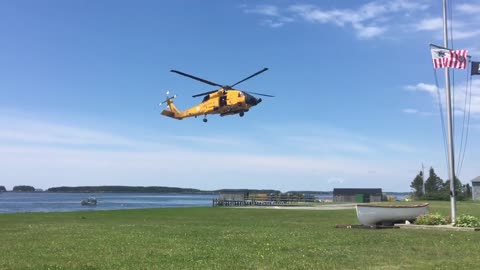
<point>223,101</point>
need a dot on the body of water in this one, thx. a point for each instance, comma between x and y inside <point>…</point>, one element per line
<point>16,202</point>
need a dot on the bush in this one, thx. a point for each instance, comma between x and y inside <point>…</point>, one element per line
<point>442,196</point>
<point>437,196</point>
<point>467,221</point>
<point>431,219</point>
<point>391,198</point>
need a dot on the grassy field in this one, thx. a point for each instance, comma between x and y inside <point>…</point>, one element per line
<point>227,238</point>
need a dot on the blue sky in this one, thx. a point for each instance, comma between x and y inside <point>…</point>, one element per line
<point>355,101</point>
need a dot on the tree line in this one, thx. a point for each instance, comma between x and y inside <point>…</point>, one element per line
<point>22,188</point>
<point>434,188</point>
<point>133,189</point>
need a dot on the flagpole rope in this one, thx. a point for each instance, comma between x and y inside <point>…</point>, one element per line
<point>452,86</point>
<point>450,14</point>
<point>469,82</point>
<point>441,117</point>
<point>461,148</point>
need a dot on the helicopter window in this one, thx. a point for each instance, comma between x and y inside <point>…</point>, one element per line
<point>206,98</point>
<point>223,101</point>
<point>240,94</point>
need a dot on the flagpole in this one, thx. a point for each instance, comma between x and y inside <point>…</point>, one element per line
<point>451,161</point>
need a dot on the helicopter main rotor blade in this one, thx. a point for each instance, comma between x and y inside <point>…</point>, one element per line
<point>260,94</point>
<point>206,93</point>
<point>196,78</point>
<point>249,77</point>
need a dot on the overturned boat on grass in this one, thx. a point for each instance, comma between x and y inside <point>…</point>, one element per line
<point>374,214</point>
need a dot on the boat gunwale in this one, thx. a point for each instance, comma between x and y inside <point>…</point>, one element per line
<point>393,206</point>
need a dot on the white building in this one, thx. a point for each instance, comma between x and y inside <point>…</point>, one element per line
<point>476,188</point>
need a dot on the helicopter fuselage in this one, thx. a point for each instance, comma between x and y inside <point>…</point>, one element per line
<point>222,102</point>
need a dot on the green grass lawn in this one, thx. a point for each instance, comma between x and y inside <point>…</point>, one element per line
<point>227,238</point>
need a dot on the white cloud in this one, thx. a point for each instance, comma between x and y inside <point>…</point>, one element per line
<point>28,132</point>
<point>462,25</point>
<point>52,166</point>
<point>33,131</point>
<point>464,101</point>
<point>275,18</point>
<point>336,180</point>
<point>268,10</point>
<point>410,111</point>
<point>367,32</point>
<point>312,14</point>
<point>330,145</point>
<point>374,19</point>
<point>430,88</point>
<point>417,112</point>
<point>432,24</point>
<point>399,147</point>
<point>474,51</point>
<point>341,143</point>
<point>468,8</point>
<point>64,154</point>
<point>465,34</point>
<point>368,20</point>
<point>273,24</point>
<point>343,17</point>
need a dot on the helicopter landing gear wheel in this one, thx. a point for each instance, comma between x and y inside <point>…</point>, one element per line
<point>241,114</point>
<point>205,119</point>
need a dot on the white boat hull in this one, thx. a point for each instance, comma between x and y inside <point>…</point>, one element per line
<point>383,214</point>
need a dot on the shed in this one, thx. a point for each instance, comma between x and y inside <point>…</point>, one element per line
<point>359,195</point>
<point>476,188</point>
<point>232,196</point>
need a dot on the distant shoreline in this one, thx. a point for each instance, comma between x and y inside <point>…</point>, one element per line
<point>168,190</point>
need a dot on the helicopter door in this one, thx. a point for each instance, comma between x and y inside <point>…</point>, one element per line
<point>223,101</point>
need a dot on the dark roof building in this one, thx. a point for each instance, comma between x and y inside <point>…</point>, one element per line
<point>359,195</point>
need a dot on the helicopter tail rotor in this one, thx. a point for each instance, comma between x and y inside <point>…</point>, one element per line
<point>168,99</point>
<point>171,110</point>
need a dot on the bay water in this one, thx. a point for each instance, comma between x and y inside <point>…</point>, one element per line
<point>20,202</point>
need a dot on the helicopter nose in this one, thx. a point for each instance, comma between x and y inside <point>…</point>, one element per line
<point>252,101</point>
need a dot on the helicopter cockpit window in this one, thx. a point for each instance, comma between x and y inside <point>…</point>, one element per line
<point>206,98</point>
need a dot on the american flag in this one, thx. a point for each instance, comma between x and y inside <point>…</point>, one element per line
<point>449,58</point>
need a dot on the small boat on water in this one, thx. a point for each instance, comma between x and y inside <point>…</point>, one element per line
<point>89,201</point>
<point>371,214</point>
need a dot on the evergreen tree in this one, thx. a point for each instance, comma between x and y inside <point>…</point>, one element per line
<point>417,186</point>
<point>467,190</point>
<point>458,186</point>
<point>434,183</point>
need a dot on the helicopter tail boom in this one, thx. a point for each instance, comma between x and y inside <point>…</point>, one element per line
<point>173,112</point>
